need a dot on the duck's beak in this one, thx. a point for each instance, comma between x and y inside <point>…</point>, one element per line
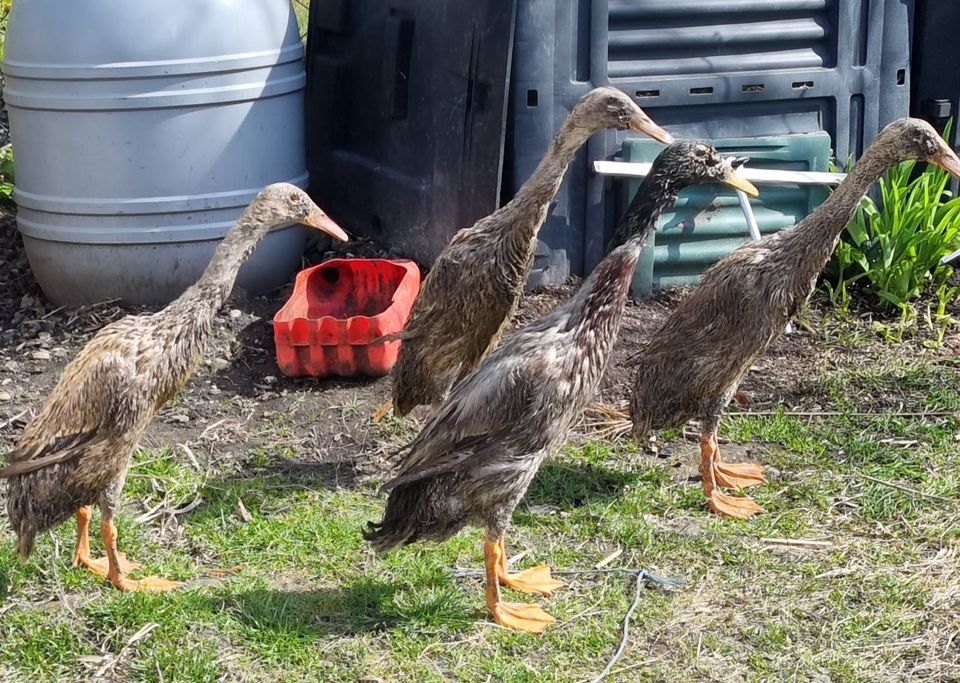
<point>947,159</point>
<point>321,221</point>
<point>642,123</point>
<point>738,182</point>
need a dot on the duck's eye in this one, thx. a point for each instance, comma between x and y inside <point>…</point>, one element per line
<point>700,151</point>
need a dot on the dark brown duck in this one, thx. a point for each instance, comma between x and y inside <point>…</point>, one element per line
<point>475,457</point>
<point>473,287</point>
<point>77,450</point>
<point>694,363</point>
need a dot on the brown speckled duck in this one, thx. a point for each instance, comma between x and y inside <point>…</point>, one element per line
<point>77,450</point>
<point>695,362</point>
<point>476,456</point>
<point>474,285</point>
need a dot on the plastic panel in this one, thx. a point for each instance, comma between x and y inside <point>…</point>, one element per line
<point>673,38</point>
<point>707,222</point>
<point>405,116</point>
<point>712,69</point>
<point>935,87</point>
<point>936,55</point>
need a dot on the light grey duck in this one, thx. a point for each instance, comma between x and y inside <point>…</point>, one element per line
<point>473,287</point>
<point>476,456</point>
<point>693,365</point>
<point>76,451</point>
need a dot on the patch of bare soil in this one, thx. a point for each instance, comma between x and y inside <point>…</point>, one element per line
<point>239,405</point>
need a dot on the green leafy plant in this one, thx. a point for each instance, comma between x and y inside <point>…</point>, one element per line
<point>302,9</point>
<point>6,173</point>
<point>892,250</point>
<point>4,12</point>
<point>6,152</point>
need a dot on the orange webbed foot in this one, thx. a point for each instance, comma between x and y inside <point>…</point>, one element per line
<point>534,580</point>
<point>101,565</point>
<point>151,583</point>
<point>738,475</point>
<point>733,506</point>
<point>521,616</point>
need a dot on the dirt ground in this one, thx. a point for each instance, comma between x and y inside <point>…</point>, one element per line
<point>240,402</point>
<point>312,441</point>
<point>239,384</point>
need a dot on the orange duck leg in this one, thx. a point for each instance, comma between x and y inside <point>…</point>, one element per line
<point>115,564</point>
<point>516,615</point>
<point>717,473</point>
<point>382,411</point>
<point>82,558</point>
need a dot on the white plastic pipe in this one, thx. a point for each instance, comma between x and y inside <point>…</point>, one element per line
<point>766,176</point>
<point>630,169</point>
<point>748,215</point>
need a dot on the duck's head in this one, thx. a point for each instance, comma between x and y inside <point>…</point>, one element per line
<point>689,162</point>
<point>609,108</point>
<point>910,138</point>
<point>283,203</point>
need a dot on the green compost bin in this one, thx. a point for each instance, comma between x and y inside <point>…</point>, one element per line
<point>707,223</point>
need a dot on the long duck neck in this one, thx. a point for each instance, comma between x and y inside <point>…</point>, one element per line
<point>210,292</point>
<point>190,317</point>
<point>657,192</point>
<point>815,237</point>
<point>187,322</point>
<point>602,297</point>
<point>524,214</point>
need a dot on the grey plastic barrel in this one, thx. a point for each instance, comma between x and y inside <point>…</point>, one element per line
<point>141,131</point>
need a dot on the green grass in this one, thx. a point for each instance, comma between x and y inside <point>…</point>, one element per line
<point>868,591</point>
<point>302,9</point>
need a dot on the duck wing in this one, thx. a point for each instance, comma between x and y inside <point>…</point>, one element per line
<point>99,396</point>
<point>496,404</point>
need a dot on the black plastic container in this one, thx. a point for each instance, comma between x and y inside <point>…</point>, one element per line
<point>406,107</point>
<point>935,74</point>
<point>705,68</point>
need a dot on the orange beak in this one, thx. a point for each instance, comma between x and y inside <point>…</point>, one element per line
<point>642,123</point>
<point>321,221</point>
<point>947,159</point>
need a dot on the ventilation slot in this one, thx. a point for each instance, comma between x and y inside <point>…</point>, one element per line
<point>705,90</point>
<point>700,37</point>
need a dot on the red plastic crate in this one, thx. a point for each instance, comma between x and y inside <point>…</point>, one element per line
<point>337,310</point>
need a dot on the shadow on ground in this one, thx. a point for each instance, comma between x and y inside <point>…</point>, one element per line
<point>256,359</point>
<point>364,606</point>
<point>570,485</point>
<point>268,487</point>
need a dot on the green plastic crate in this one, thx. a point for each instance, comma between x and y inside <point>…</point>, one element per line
<point>707,223</point>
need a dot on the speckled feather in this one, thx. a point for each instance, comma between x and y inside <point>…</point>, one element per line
<point>475,458</point>
<point>77,450</point>
<point>694,363</point>
<point>473,288</point>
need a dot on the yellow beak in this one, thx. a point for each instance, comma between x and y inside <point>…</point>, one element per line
<point>321,221</point>
<point>738,182</point>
